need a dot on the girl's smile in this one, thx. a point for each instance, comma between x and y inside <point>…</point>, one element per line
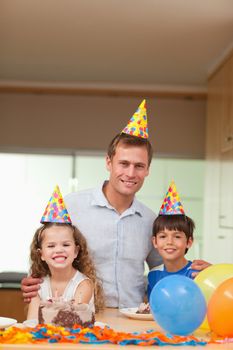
<point>59,258</point>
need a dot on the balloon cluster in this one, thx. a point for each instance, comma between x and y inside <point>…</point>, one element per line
<point>216,284</point>
<point>180,305</point>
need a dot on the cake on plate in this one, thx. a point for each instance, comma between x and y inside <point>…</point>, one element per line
<point>143,309</point>
<point>65,313</point>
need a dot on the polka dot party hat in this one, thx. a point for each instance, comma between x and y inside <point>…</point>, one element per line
<point>56,210</point>
<point>171,203</point>
<point>137,125</point>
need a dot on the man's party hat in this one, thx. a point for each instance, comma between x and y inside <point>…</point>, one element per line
<point>137,126</point>
<point>171,203</point>
<point>56,210</point>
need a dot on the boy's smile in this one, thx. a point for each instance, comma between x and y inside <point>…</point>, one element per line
<point>170,250</point>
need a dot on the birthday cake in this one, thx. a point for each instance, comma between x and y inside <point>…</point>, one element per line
<point>65,313</point>
<point>143,309</point>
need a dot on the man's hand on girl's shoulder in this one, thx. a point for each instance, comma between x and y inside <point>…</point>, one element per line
<point>30,286</point>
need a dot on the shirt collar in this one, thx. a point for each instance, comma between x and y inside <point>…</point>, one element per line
<point>100,200</point>
<point>182,269</point>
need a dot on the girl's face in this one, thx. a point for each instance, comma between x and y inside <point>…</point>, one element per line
<point>58,248</point>
<point>171,244</point>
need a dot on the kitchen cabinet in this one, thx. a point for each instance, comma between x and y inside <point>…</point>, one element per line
<point>226,100</point>
<point>226,190</point>
<point>218,198</point>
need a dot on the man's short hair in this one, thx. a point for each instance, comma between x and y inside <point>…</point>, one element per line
<point>129,140</point>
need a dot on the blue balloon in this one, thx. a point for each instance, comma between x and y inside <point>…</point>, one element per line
<point>177,304</point>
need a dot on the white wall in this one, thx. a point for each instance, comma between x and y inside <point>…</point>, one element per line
<point>59,122</point>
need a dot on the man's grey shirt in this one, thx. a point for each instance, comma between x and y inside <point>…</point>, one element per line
<point>119,244</point>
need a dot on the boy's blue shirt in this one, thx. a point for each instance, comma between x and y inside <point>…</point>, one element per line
<point>160,272</point>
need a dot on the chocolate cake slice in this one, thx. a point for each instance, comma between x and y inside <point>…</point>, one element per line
<point>65,313</point>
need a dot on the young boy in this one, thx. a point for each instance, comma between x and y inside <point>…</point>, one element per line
<point>172,237</point>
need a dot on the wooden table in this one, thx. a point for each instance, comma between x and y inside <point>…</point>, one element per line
<point>119,322</point>
<point>12,304</point>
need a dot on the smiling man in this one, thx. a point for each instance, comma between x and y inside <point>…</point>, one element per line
<point>118,227</point>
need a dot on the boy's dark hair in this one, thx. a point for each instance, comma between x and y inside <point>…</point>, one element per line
<point>129,140</point>
<point>181,223</point>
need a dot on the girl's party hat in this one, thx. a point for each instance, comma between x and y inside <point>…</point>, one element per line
<point>137,126</point>
<point>56,210</point>
<point>171,203</point>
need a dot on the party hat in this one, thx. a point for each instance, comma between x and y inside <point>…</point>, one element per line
<point>171,203</point>
<point>56,210</point>
<point>137,125</point>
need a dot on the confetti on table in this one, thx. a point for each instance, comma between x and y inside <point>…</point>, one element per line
<point>96,335</point>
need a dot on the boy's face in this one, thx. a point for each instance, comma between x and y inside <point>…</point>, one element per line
<point>171,244</point>
<point>128,169</point>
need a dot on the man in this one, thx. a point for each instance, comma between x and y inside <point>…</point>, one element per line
<point>118,227</point>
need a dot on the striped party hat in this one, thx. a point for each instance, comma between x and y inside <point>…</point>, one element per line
<point>137,125</point>
<point>171,203</point>
<point>56,210</point>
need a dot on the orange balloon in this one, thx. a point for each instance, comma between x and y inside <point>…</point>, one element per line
<point>220,309</point>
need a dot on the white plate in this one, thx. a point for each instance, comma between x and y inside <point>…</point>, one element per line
<point>7,322</point>
<point>30,323</point>
<point>131,313</point>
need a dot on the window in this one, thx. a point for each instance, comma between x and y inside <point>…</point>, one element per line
<point>27,182</point>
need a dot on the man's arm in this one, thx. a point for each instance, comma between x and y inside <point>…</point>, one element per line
<point>154,259</point>
<point>30,287</point>
<point>199,265</point>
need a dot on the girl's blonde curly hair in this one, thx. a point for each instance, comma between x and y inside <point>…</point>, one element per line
<point>82,262</point>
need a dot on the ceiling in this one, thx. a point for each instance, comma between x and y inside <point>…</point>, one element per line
<point>149,42</point>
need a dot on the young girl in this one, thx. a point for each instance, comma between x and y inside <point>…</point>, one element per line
<point>172,237</point>
<point>60,256</point>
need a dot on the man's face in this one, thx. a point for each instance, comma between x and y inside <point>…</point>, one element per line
<point>128,169</point>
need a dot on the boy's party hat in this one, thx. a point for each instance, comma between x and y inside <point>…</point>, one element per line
<point>137,126</point>
<point>171,203</point>
<point>56,210</point>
